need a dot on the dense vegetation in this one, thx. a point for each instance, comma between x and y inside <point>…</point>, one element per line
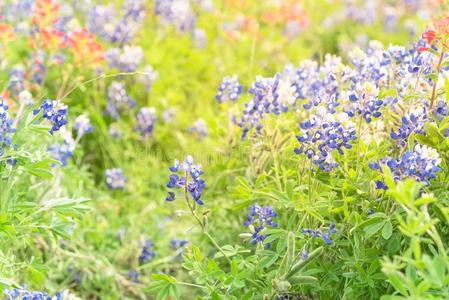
<point>233,149</point>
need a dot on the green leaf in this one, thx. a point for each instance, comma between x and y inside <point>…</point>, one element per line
<point>387,230</point>
<point>446,88</point>
<point>398,284</point>
<point>372,229</point>
<point>164,277</point>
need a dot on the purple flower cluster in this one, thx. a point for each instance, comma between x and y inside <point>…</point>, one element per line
<point>147,252</point>
<point>134,276</point>
<point>364,101</point>
<point>24,294</point>
<point>118,99</point>
<point>148,77</point>
<point>62,152</point>
<point>55,112</point>
<point>199,127</point>
<point>269,96</point>
<point>17,79</point>
<point>178,13</point>
<point>321,135</point>
<point>441,110</point>
<point>145,121</point>
<point>258,218</point>
<point>356,88</point>
<point>115,179</point>
<point>412,123</point>
<point>82,125</point>
<point>229,89</point>
<point>177,244</point>
<point>117,28</point>
<point>6,127</point>
<point>126,59</point>
<point>421,164</point>
<point>189,179</point>
<point>318,233</point>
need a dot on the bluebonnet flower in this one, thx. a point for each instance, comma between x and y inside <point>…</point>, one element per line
<point>145,121</point>
<point>62,152</point>
<point>134,276</point>
<point>200,128</point>
<point>229,89</point>
<point>390,21</point>
<point>147,252</point>
<point>412,123</point>
<point>319,85</point>
<point>321,135</point>
<point>199,38</point>
<point>441,110</point>
<point>6,127</point>
<point>304,254</point>
<point>76,275</point>
<point>82,125</point>
<point>25,98</point>
<point>149,77</point>
<point>115,131</point>
<point>258,218</point>
<point>17,11</point>
<point>118,99</point>
<point>24,294</point>
<point>178,13</point>
<point>115,179</point>
<point>269,96</point>
<point>421,164</point>
<point>292,29</point>
<point>119,28</point>
<point>169,115</point>
<point>189,179</point>
<point>17,79</point>
<point>177,244</point>
<point>364,101</point>
<point>55,112</point>
<point>320,233</point>
<point>126,59</point>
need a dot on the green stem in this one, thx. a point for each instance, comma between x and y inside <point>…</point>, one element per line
<point>434,89</point>
<point>191,284</point>
<point>201,224</point>
<point>359,130</point>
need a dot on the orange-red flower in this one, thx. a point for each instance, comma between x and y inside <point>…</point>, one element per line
<point>6,32</point>
<point>45,13</point>
<point>429,36</point>
<point>85,48</point>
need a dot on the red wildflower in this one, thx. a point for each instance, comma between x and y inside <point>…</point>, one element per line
<point>422,49</point>
<point>430,36</point>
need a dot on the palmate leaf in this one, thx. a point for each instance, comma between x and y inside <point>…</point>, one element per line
<point>164,286</point>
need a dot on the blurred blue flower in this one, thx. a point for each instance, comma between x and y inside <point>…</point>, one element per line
<point>147,252</point>
<point>118,99</point>
<point>115,179</point>
<point>6,127</point>
<point>146,117</point>
<point>82,125</point>
<point>229,89</point>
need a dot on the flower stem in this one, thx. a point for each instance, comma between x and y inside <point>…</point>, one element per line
<point>434,89</point>
<point>201,224</point>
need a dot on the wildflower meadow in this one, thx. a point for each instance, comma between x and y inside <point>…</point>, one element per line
<point>224,149</point>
